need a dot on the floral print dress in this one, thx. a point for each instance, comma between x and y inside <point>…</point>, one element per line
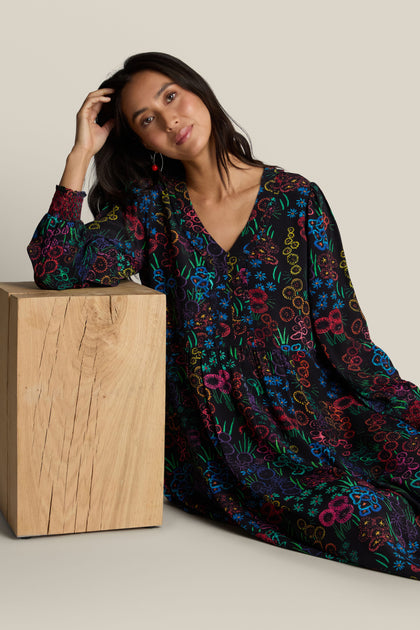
<point>282,416</point>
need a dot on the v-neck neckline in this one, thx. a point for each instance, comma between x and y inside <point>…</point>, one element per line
<point>251,216</point>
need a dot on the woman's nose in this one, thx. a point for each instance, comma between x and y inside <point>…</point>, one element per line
<point>170,120</point>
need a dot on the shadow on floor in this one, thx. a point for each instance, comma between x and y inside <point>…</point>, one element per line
<point>5,529</point>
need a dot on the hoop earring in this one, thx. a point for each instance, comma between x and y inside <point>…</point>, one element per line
<point>155,167</point>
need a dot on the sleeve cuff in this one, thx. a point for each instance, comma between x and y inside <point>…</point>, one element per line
<point>67,204</point>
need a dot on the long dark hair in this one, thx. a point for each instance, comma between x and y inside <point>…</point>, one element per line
<point>124,160</point>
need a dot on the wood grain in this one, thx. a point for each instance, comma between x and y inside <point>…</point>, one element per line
<point>90,374</point>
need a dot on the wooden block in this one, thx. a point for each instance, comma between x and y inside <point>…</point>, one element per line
<point>82,395</point>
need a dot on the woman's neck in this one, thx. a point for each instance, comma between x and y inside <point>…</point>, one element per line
<point>204,179</point>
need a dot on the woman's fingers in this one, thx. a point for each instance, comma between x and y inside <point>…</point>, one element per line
<point>94,101</point>
<point>108,125</point>
<point>99,93</point>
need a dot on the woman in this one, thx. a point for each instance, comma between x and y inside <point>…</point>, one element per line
<point>282,416</point>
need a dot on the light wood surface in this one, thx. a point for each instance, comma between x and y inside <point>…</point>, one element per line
<point>4,342</point>
<point>84,419</point>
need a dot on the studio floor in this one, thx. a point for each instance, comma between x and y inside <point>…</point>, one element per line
<point>189,574</point>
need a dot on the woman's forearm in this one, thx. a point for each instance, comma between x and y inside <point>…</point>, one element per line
<point>74,174</point>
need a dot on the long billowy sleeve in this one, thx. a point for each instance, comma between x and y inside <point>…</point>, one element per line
<point>66,253</point>
<point>340,327</point>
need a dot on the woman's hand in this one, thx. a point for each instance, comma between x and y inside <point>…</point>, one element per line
<point>90,138</point>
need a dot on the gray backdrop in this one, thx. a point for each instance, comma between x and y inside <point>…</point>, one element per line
<point>326,88</point>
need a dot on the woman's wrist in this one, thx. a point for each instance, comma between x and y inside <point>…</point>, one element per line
<point>74,174</point>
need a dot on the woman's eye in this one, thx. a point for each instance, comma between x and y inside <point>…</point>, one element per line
<point>170,97</point>
<point>147,121</point>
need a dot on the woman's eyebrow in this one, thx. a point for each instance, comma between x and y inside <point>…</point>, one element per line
<point>156,96</point>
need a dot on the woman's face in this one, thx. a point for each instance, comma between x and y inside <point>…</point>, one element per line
<point>166,117</point>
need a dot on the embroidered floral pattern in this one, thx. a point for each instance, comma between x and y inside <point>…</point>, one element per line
<point>283,417</point>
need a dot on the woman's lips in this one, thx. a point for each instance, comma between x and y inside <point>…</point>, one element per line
<point>183,135</point>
